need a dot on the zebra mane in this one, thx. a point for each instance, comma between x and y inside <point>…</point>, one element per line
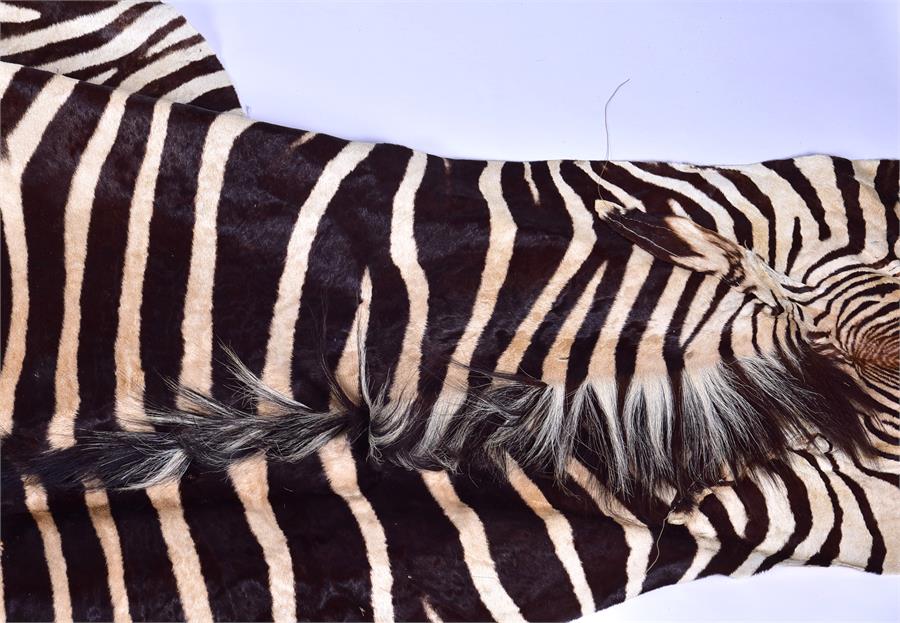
<point>641,436</point>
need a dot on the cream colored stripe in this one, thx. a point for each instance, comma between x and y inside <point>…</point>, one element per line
<point>734,508</point>
<point>821,510</point>
<point>185,31</point>
<point>583,240</point>
<point>192,89</point>
<point>559,531</point>
<point>723,220</point>
<point>36,502</point>
<point>63,30</point>
<point>166,499</point>
<point>529,180</point>
<point>781,524</point>
<point>105,527</point>
<point>603,362</point>
<point>340,469</point>
<point>16,15</point>
<point>637,536</point>
<point>405,256</point>
<point>164,66</point>
<point>707,545</point>
<point>556,363</point>
<point>21,144</point>
<point>196,326</point>
<point>79,204</point>
<point>501,240</point>
<point>120,45</point>
<point>276,373</point>
<point>347,369</point>
<point>129,374</point>
<point>251,481</point>
<point>430,614</point>
<point>476,551</point>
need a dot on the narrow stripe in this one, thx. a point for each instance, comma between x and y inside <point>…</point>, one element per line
<point>192,89</point>
<point>61,31</point>
<point>781,524</point>
<point>476,551</point>
<point>161,67</point>
<point>708,546</point>
<point>166,499</point>
<point>405,256</point>
<point>61,432</point>
<point>339,466</point>
<point>579,247</point>
<point>496,264</point>
<point>560,532</point>
<point>105,526</point>
<point>340,469</point>
<point>251,482</point>
<point>196,326</point>
<point>129,373</point>
<point>120,45</point>
<point>36,502</point>
<point>276,373</point>
<point>637,536</point>
<point>556,362</point>
<point>21,144</point>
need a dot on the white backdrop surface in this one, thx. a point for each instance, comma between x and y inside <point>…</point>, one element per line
<point>708,82</point>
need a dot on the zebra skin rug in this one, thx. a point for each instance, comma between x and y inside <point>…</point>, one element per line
<point>258,373</point>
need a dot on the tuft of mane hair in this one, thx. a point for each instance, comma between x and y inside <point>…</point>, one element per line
<point>640,436</point>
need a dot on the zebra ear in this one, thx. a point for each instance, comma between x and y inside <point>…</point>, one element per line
<point>683,242</point>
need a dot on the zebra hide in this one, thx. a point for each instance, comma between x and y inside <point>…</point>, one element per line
<point>257,373</point>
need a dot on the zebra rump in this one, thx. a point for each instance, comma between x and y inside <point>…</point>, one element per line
<point>641,437</point>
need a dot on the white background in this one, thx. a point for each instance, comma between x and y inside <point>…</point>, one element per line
<point>709,82</point>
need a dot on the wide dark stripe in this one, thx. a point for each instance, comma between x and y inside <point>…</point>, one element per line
<point>638,316</point>
<point>877,554</point>
<point>348,236</point>
<point>887,185</point>
<point>85,562</point>
<point>846,181</point>
<point>423,546</point>
<point>543,231</point>
<point>752,193</point>
<point>520,547</point>
<point>104,263</point>
<point>599,541</point>
<point>83,43</point>
<point>617,251</point>
<point>149,580</point>
<point>164,84</point>
<point>798,499</point>
<point>45,188</point>
<point>655,198</point>
<point>533,360</point>
<point>331,572</point>
<point>451,233</point>
<point>389,305</point>
<point>27,593</point>
<point>234,570</point>
<point>169,252</point>
<point>51,13</point>
<point>743,230</point>
<point>733,549</point>
<point>266,181</point>
<point>5,289</point>
<point>789,171</point>
<point>221,99</point>
<point>24,87</point>
<point>830,548</point>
